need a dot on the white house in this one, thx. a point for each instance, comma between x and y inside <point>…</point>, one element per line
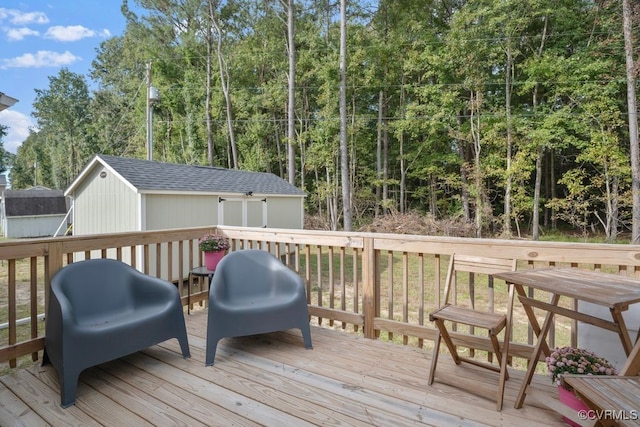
<point>118,194</point>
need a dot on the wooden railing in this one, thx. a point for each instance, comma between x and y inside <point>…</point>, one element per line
<point>380,285</point>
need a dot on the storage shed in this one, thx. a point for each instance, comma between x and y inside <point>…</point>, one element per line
<point>35,212</point>
<point>118,194</point>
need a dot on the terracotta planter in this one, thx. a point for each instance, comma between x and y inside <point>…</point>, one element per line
<point>569,398</point>
<point>211,259</point>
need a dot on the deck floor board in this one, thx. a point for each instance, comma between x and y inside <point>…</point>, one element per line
<point>272,380</point>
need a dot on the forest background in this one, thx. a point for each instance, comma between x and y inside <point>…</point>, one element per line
<point>509,118</point>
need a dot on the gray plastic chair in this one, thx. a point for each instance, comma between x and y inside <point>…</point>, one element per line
<point>103,309</point>
<point>252,292</point>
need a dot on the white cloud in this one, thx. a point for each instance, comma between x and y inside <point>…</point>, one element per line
<point>69,33</point>
<point>17,17</point>
<point>18,125</point>
<point>20,33</point>
<point>42,58</point>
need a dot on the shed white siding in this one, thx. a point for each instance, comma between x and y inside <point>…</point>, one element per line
<point>17,227</point>
<point>34,212</point>
<point>285,212</point>
<point>179,210</point>
<point>162,211</point>
<point>104,205</point>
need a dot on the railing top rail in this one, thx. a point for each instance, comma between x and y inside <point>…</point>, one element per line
<point>524,250</point>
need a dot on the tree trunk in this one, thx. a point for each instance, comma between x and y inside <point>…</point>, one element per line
<point>385,158</point>
<point>614,209</point>
<point>540,150</point>
<point>433,196</point>
<point>633,121</point>
<point>403,171</point>
<point>507,191</point>
<point>379,154</point>
<point>276,129</point>
<point>291,125</point>
<point>207,103</point>
<point>536,195</point>
<point>464,179</point>
<point>332,201</point>
<point>477,172</point>
<point>319,199</point>
<point>344,162</point>
<point>224,84</point>
<point>554,192</point>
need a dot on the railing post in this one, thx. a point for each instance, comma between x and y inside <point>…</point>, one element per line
<point>369,287</point>
<point>53,263</point>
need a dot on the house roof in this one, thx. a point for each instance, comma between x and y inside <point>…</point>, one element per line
<point>36,201</point>
<point>153,176</point>
<point>6,101</point>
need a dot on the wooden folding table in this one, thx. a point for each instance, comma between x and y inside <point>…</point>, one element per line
<point>609,290</point>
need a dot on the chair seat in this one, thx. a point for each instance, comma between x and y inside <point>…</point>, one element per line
<point>494,322</point>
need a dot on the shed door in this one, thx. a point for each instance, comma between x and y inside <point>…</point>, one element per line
<point>242,212</point>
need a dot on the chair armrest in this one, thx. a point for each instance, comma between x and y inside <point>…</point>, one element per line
<point>148,289</point>
<point>287,280</point>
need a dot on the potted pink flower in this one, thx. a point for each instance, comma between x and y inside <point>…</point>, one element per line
<point>569,360</point>
<point>214,247</point>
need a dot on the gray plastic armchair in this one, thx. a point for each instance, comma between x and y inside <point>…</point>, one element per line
<point>252,292</point>
<point>103,309</point>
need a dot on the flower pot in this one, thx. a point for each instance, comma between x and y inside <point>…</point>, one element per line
<point>569,398</point>
<point>211,259</point>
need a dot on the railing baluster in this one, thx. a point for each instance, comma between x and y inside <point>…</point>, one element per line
<point>356,285</point>
<point>343,284</point>
<point>332,289</point>
<point>33,306</point>
<point>390,290</point>
<point>405,293</point>
<point>319,279</point>
<point>12,308</point>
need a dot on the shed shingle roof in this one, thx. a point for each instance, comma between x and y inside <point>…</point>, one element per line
<point>34,202</point>
<point>152,175</point>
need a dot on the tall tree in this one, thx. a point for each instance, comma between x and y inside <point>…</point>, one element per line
<point>344,141</point>
<point>291,123</point>
<point>225,78</point>
<point>632,108</point>
<point>63,111</point>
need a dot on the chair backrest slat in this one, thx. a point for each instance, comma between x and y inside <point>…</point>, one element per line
<point>475,264</point>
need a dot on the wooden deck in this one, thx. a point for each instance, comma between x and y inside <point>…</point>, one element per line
<point>270,380</point>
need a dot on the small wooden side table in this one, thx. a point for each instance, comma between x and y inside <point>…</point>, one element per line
<point>198,272</point>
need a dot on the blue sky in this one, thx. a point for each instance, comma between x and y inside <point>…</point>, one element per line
<point>37,39</point>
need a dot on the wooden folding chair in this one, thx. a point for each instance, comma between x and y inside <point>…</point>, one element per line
<point>451,313</point>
